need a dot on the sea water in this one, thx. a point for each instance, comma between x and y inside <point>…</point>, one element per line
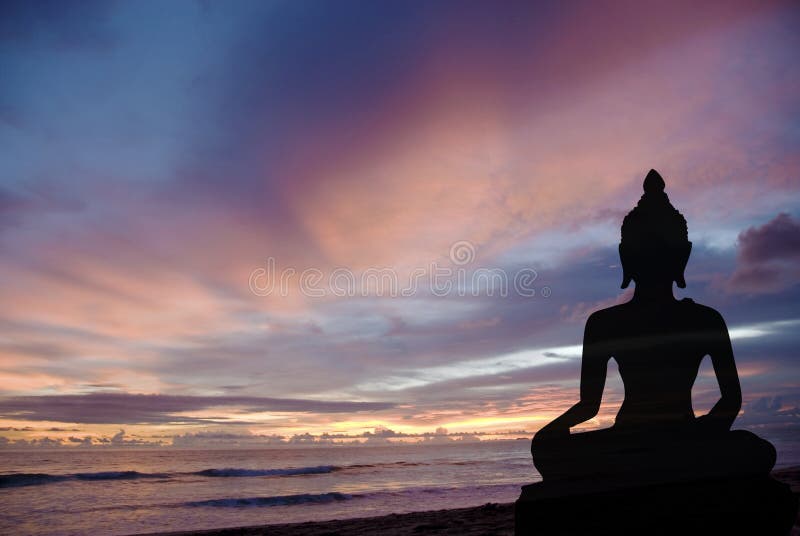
<point>135,490</point>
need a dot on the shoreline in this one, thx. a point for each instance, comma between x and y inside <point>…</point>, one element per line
<point>488,519</point>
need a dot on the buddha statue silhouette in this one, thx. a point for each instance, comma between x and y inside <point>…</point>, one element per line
<point>658,343</point>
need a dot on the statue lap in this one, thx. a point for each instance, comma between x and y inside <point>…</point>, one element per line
<point>651,455</point>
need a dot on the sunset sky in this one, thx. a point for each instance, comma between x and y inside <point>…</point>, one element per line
<point>158,158</point>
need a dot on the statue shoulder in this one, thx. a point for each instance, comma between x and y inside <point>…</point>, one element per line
<point>702,313</point>
<point>609,315</point>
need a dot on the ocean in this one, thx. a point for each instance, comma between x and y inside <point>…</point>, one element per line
<point>136,490</point>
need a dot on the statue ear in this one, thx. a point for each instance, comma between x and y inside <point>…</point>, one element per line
<point>680,280</point>
<point>626,278</point>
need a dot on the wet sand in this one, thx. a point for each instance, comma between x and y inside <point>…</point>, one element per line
<point>488,520</point>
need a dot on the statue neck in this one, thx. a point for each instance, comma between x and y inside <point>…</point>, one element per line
<point>653,292</point>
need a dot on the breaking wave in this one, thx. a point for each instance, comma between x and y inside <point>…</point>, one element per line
<point>35,479</point>
<point>279,500</point>
<point>233,472</point>
<point>13,480</point>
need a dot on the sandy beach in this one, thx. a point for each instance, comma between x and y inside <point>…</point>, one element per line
<point>490,520</point>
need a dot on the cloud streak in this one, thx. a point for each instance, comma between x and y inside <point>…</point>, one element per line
<point>113,408</point>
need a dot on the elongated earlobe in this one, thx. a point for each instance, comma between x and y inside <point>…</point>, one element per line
<point>626,280</point>
<point>680,279</point>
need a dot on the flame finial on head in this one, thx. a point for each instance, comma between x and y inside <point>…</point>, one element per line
<point>654,214</point>
<point>653,182</point>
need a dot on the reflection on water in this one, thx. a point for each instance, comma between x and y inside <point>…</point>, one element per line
<point>130,491</point>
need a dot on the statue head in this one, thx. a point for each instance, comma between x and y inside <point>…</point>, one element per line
<point>655,244</point>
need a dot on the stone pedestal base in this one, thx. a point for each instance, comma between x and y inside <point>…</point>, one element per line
<point>757,506</point>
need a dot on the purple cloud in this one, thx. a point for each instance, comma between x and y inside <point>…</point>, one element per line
<point>778,239</point>
<point>769,257</point>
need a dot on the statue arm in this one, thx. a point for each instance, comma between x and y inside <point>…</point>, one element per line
<point>724,412</point>
<point>594,365</point>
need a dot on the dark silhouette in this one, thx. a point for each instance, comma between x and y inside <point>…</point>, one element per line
<point>658,455</point>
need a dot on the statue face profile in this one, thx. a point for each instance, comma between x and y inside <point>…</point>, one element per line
<point>654,262</point>
<point>654,248</point>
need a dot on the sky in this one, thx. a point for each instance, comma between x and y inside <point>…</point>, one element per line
<point>261,222</point>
